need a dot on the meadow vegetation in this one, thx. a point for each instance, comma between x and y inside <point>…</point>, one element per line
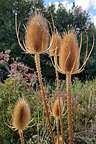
<point>83,111</point>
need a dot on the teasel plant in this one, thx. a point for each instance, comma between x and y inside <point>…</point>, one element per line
<point>20,117</point>
<point>58,105</point>
<point>54,50</point>
<point>69,60</point>
<point>36,42</point>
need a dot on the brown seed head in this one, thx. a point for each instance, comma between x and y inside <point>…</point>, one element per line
<point>37,34</point>
<point>56,108</point>
<point>55,44</point>
<point>69,54</point>
<point>21,115</point>
<point>59,140</point>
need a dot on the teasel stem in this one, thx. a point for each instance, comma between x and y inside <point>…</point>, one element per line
<point>58,95</point>
<point>21,136</point>
<point>69,111</point>
<point>37,61</point>
<point>57,125</point>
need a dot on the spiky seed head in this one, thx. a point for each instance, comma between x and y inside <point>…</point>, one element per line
<point>55,44</point>
<point>59,140</point>
<point>21,115</point>
<point>37,34</point>
<point>69,54</point>
<point>56,108</point>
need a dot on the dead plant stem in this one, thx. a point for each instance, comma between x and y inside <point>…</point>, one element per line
<point>58,96</point>
<point>69,111</point>
<point>21,136</point>
<point>37,61</point>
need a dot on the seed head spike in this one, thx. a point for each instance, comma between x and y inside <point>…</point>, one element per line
<point>21,115</point>
<point>56,108</point>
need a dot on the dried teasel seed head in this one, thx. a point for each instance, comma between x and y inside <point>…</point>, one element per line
<point>59,140</point>
<point>21,115</point>
<point>55,44</point>
<point>37,34</point>
<point>69,54</point>
<point>56,108</point>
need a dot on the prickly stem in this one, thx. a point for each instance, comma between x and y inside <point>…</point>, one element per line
<point>21,136</point>
<point>69,111</point>
<point>37,61</point>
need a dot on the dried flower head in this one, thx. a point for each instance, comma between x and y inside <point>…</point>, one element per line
<point>55,44</point>
<point>69,55</point>
<point>37,34</point>
<point>21,115</point>
<point>56,108</point>
<point>59,140</point>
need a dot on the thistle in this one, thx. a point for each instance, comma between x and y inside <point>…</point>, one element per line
<point>36,42</point>
<point>69,58</point>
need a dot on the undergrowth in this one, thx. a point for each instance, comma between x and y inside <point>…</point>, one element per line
<point>83,111</point>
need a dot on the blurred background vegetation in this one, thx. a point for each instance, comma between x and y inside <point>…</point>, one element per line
<point>64,20</point>
<point>18,77</point>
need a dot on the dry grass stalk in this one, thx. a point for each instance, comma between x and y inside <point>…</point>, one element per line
<point>36,39</point>
<point>69,64</point>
